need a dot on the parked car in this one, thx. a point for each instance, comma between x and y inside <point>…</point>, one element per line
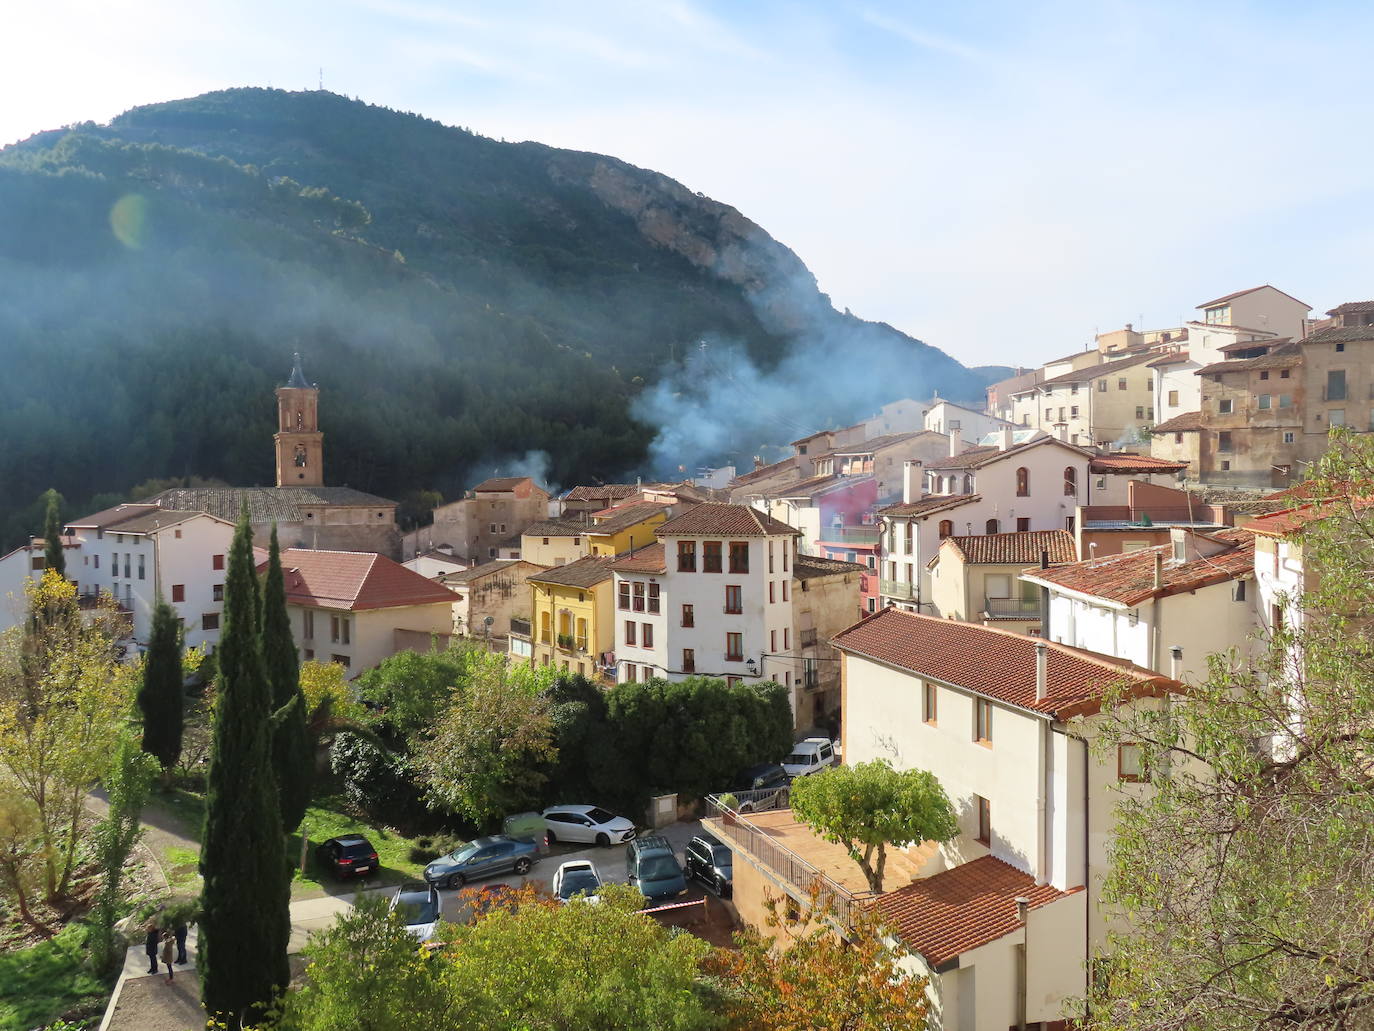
<point>482,858</point>
<point>421,906</point>
<point>348,855</point>
<point>654,870</point>
<point>810,756</point>
<point>710,862</point>
<point>760,787</point>
<point>577,877</point>
<point>587,823</point>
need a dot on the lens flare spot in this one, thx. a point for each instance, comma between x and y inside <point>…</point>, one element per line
<point>129,220</point>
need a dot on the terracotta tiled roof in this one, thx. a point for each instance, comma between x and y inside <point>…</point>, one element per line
<point>110,516</point>
<point>1341,335</point>
<point>355,580</point>
<point>38,544</point>
<point>959,909</point>
<point>764,471</point>
<point>1352,308</point>
<point>930,504</point>
<point>585,572</point>
<point>1242,293</point>
<point>1022,548</point>
<point>556,528</point>
<point>712,519</point>
<point>1180,423</point>
<point>1285,521</point>
<point>1093,372</point>
<point>464,576</point>
<point>804,488</point>
<point>644,560</point>
<point>1134,464</point>
<point>1283,356</point>
<point>976,457</point>
<point>995,663</point>
<point>1177,358</point>
<point>1129,578</point>
<point>136,519</point>
<point>521,486</point>
<point>1250,345</point>
<point>611,491</point>
<point>864,447</point>
<point>808,567</point>
<point>625,516</point>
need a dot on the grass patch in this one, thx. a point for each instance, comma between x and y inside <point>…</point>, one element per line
<point>328,819</point>
<point>48,981</point>
<point>183,870</point>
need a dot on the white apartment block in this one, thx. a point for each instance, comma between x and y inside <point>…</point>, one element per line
<point>949,418</point>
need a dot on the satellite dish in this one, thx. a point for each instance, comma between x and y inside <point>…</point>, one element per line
<point>488,621</point>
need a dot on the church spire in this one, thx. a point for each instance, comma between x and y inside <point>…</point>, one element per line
<point>298,380</point>
<point>299,442</point>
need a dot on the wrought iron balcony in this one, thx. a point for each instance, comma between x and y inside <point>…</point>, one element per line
<point>850,534</point>
<point>899,589</point>
<point>1012,608</point>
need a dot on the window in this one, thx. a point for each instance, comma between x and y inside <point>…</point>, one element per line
<point>209,621</point>
<point>1178,438</point>
<point>982,721</point>
<point>786,639</point>
<point>1150,384</point>
<point>639,597</point>
<point>1102,386</point>
<point>688,616</point>
<point>984,819</point>
<point>653,598</point>
<point>739,556</point>
<point>928,712</point>
<point>1283,374</point>
<point>623,593</point>
<point>734,599</point>
<point>1225,406</point>
<point>1224,440</point>
<point>1264,375</point>
<point>310,655</point>
<point>491,528</point>
<point>733,681</point>
<point>993,526</point>
<point>770,557</point>
<point>1340,347</point>
<point>689,660</point>
<point>1130,766</point>
<point>1335,385</point>
<point>998,585</point>
<point>1285,400</point>
<point>140,568</point>
<point>872,605</point>
<point>710,557</point>
<point>686,556</point>
<point>786,547</point>
<point>342,660</point>
<point>126,565</point>
<point>1265,402</point>
<point>1023,524</point>
<point>1173,399</point>
<point>1070,482</point>
<point>217,592</point>
<point>307,622</point>
<point>1336,417</point>
<point>216,561</point>
<point>177,533</point>
<point>646,634</point>
<point>1074,411</point>
<point>1023,482</point>
<point>772,640</point>
<point>734,647</point>
<point>97,561</point>
<point>771,592</point>
<point>1288,436</point>
<point>178,592</point>
<point>946,528</point>
<point>784,583</point>
<point>546,540</point>
<point>1121,384</point>
<point>630,631</point>
<point>629,673</point>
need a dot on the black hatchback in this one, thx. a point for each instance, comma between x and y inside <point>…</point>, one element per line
<point>348,855</point>
<point>711,863</point>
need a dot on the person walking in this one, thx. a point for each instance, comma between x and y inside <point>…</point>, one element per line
<point>180,932</point>
<point>150,945</point>
<point>168,953</point>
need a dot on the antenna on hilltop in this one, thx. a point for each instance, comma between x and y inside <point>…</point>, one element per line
<point>321,79</point>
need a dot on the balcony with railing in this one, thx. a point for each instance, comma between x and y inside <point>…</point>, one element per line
<point>850,534</point>
<point>520,627</point>
<point>1012,608</point>
<point>899,589</point>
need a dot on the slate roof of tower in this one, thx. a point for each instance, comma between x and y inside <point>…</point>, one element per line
<point>265,503</point>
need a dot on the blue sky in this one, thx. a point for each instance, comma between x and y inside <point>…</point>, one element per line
<point>999,179</point>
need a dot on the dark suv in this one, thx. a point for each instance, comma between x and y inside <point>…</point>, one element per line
<point>348,855</point>
<point>761,787</point>
<point>710,862</point>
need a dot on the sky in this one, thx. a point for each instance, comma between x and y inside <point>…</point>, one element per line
<point>1000,179</point>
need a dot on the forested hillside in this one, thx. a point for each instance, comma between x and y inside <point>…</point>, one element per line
<point>461,301</point>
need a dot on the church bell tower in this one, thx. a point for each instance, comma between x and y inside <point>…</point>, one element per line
<point>300,444</point>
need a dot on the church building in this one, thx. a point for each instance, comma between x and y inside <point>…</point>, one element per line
<point>307,513</point>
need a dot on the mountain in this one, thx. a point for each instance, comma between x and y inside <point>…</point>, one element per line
<point>461,301</point>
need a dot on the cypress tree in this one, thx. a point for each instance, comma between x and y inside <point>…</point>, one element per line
<point>245,922</point>
<point>159,696</point>
<point>53,556</point>
<point>292,759</point>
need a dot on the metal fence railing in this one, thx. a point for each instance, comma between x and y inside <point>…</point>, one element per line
<point>735,828</point>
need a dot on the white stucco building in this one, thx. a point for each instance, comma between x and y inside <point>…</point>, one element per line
<point>949,418</point>
<point>26,563</point>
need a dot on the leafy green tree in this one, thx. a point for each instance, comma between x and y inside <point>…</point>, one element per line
<point>293,758</point>
<point>126,787</point>
<point>411,689</point>
<point>160,696</point>
<point>245,923</point>
<point>1245,876</point>
<point>868,806</point>
<point>53,554</point>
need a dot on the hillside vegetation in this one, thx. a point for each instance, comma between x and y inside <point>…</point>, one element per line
<point>460,300</point>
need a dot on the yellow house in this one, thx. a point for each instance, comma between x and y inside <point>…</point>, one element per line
<point>624,528</point>
<point>572,623</point>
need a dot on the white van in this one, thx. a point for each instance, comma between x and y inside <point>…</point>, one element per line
<point>809,756</point>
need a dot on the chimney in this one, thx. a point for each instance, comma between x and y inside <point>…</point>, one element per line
<point>1176,662</point>
<point>1159,570</point>
<point>758,462</point>
<point>956,443</point>
<point>1042,670</point>
<point>1044,558</point>
<point>912,474</point>
<point>1004,444</point>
